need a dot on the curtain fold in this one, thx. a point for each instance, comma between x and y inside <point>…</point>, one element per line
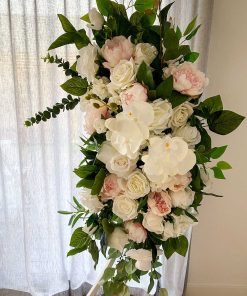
<point>36,163</point>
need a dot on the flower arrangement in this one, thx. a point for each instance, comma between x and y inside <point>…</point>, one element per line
<point>147,161</point>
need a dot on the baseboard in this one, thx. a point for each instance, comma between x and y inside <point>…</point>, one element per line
<point>215,290</point>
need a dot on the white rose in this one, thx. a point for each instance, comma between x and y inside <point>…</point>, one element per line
<point>182,223</point>
<point>183,198</point>
<point>136,231</point>
<point>137,185</point>
<point>115,163</point>
<point>153,223</point>
<point>99,126</point>
<point>143,258</point>
<point>181,114</point>
<point>145,52</point>
<point>162,113</point>
<point>96,19</point>
<point>190,134</point>
<point>125,207</point>
<point>117,239</point>
<point>123,74</point>
<point>169,230</point>
<point>100,87</point>
<point>91,202</point>
<point>86,65</point>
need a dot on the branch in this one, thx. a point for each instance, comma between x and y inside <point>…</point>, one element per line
<point>211,194</point>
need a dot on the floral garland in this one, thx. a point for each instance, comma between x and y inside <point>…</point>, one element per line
<point>147,161</point>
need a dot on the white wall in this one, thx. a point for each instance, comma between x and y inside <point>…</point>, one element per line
<point>218,265</point>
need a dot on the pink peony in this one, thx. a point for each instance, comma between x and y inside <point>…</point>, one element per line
<point>179,182</point>
<point>187,79</point>
<point>135,93</point>
<point>111,187</point>
<point>136,232</point>
<point>117,49</point>
<point>93,114</point>
<point>159,203</point>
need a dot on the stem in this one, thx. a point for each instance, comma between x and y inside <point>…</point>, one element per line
<point>211,194</point>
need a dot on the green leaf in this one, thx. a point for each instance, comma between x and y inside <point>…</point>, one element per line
<point>164,13</point>
<point>77,203</point>
<point>107,226</point>
<point>93,250</point>
<point>66,38</point>
<point>223,165</point>
<point>142,203</point>
<point>224,122</point>
<point>168,247</point>
<point>86,18</point>
<point>85,171</point>
<point>177,99</point>
<point>164,90</point>
<point>113,253</point>
<point>66,24</point>
<point>163,292</point>
<point>76,219</point>
<point>182,245</point>
<point>75,86</point>
<point>64,212</point>
<point>217,152</point>
<point>142,5</point>
<point>104,6</point>
<point>79,238</point>
<point>192,57</point>
<point>193,33</point>
<point>151,285</point>
<point>81,39</point>
<point>170,39</point>
<point>144,75</point>
<point>99,181</point>
<point>218,174</point>
<point>76,251</point>
<point>85,183</point>
<point>178,32</point>
<point>190,26</point>
<point>190,216</point>
<point>211,105</point>
<point>108,274</point>
<point>130,267</point>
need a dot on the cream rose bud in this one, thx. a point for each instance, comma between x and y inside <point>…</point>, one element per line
<point>179,182</point>
<point>187,79</point>
<point>181,115</point>
<point>91,202</point>
<point>137,185</point>
<point>169,230</point>
<point>190,134</point>
<point>86,65</point>
<point>123,74</point>
<point>117,239</point>
<point>136,232</point>
<point>135,93</point>
<point>207,177</point>
<point>100,87</point>
<point>96,19</point>
<point>111,187</point>
<point>162,114</point>
<point>182,223</point>
<point>153,223</point>
<point>143,258</point>
<point>116,49</point>
<point>125,207</point>
<point>145,52</point>
<point>159,203</point>
<point>183,198</point>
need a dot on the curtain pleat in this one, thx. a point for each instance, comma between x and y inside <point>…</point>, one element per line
<point>36,163</point>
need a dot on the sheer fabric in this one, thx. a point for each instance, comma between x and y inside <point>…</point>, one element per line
<point>36,163</point>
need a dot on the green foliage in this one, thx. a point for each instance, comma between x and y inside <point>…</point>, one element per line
<point>98,183</point>
<point>93,250</point>
<point>223,165</point>
<point>217,152</point>
<point>164,90</point>
<point>177,99</point>
<point>178,244</point>
<point>79,238</point>
<point>68,103</point>
<point>66,24</point>
<point>144,75</point>
<point>75,86</point>
<point>163,292</point>
<point>104,7</point>
<point>143,5</point>
<point>151,284</point>
<point>191,57</point>
<point>209,106</point>
<point>190,27</point>
<point>108,274</point>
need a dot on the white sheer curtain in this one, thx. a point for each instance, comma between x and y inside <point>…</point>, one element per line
<point>36,163</point>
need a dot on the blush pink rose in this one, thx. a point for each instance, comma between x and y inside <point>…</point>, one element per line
<point>180,182</point>
<point>111,187</point>
<point>135,93</point>
<point>187,79</point>
<point>92,114</point>
<point>136,232</point>
<point>159,203</point>
<point>116,49</point>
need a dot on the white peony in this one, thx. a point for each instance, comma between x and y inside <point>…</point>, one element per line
<point>123,74</point>
<point>145,52</point>
<point>167,157</point>
<point>143,258</point>
<point>190,134</point>
<point>91,202</point>
<point>96,19</point>
<point>99,126</point>
<point>100,87</point>
<point>183,198</point>
<point>153,223</point>
<point>136,232</point>
<point>125,207</point>
<point>181,114</point>
<point>162,114</point>
<point>86,65</point>
<point>115,163</point>
<point>137,185</point>
<point>117,239</point>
